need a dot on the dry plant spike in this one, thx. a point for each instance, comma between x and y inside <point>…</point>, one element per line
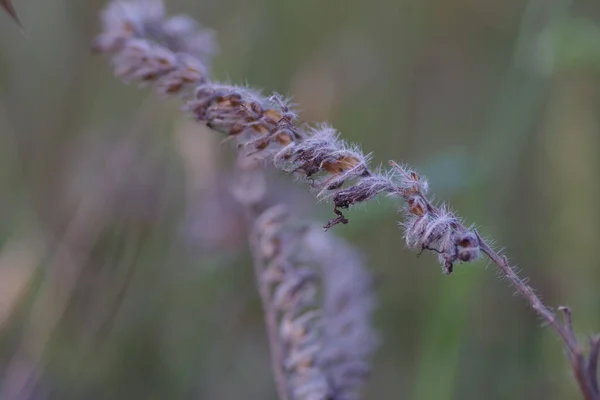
<point>319,349</point>
<point>10,9</point>
<point>148,48</point>
<point>324,347</point>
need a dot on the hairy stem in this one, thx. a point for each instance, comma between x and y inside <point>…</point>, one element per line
<point>584,371</point>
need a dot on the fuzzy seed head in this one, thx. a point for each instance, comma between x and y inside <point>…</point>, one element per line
<point>467,246</point>
<point>409,181</point>
<point>146,47</point>
<point>417,206</point>
<point>366,189</point>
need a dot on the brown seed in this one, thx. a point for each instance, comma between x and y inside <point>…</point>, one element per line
<point>272,116</point>
<point>174,88</point>
<point>236,129</point>
<point>262,145</point>
<point>256,108</point>
<point>235,99</point>
<point>284,138</point>
<point>150,77</point>
<point>415,206</point>
<point>223,102</point>
<point>260,128</point>
<point>340,165</point>
<point>466,242</point>
<point>189,79</point>
<point>165,62</point>
<point>410,191</point>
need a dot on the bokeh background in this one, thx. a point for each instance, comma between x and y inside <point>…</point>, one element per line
<point>123,265</point>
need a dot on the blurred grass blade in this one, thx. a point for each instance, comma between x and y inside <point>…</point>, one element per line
<point>10,9</point>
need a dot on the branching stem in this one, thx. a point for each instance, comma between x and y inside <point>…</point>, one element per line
<point>585,371</point>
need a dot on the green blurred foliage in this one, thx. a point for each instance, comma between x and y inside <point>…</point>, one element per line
<point>497,102</point>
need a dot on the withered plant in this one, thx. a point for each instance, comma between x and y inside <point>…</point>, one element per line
<point>320,338</point>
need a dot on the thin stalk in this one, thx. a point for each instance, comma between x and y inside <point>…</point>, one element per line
<point>586,381</point>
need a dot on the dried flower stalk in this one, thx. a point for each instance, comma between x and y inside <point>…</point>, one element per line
<point>325,346</point>
<point>319,349</point>
<point>268,128</point>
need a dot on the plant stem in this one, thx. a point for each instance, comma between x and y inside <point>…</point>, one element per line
<point>584,371</point>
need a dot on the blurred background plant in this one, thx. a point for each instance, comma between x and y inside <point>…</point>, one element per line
<point>122,261</point>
